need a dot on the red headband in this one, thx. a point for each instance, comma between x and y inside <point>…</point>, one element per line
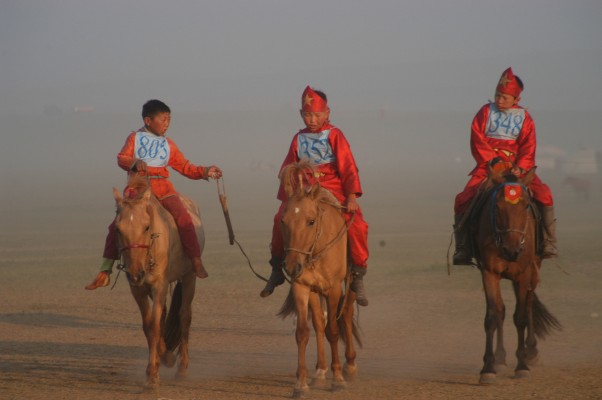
<point>312,102</point>
<point>508,84</point>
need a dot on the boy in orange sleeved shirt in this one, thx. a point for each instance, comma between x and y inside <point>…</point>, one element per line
<point>147,151</point>
<point>325,146</point>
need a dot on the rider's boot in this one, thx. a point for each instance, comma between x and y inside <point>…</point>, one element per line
<point>549,233</point>
<point>104,276</point>
<point>462,254</point>
<point>276,277</point>
<point>357,284</point>
<point>199,269</point>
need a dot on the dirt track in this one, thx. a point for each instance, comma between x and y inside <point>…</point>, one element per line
<point>423,335</point>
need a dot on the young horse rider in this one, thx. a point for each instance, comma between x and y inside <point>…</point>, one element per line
<point>147,151</point>
<point>325,146</point>
<point>503,131</point>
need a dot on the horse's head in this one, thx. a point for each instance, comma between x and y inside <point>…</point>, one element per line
<point>510,211</point>
<point>300,224</point>
<point>134,226</point>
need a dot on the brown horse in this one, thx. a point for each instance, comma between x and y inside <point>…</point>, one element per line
<point>152,256</point>
<point>315,241</point>
<point>506,248</point>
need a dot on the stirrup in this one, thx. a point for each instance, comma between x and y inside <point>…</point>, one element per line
<point>276,279</point>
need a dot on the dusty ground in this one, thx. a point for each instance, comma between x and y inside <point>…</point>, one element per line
<point>423,335</point>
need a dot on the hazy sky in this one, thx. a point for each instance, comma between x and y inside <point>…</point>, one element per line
<point>257,55</point>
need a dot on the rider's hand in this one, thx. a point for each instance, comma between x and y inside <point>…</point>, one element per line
<point>139,166</point>
<point>351,204</point>
<point>214,172</point>
<point>517,171</point>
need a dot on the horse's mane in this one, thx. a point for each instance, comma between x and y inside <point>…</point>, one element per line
<point>136,187</point>
<point>298,179</point>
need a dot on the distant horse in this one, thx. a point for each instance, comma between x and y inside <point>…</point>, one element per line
<point>506,248</point>
<point>315,241</point>
<point>580,186</point>
<point>152,256</point>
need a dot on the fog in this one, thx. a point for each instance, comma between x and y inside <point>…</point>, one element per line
<point>404,80</point>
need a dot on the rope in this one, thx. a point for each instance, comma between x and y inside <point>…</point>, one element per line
<point>221,192</point>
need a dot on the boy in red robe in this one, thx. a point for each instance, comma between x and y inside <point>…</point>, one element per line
<point>147,151</point>
<point>503,131</point>
<point>325,146</point>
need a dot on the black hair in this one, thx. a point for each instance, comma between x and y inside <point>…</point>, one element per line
<point>322,95</point>
<point>154,107</point>
<point>520,82</point>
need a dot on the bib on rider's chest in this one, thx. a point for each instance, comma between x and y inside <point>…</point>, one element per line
<point>505,125</point>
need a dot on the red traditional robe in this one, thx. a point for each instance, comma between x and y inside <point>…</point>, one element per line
<point>508,134</point>
<point>331,154</point>
<point>160,152</point>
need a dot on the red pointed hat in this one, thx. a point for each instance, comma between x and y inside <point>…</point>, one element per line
<point>312,102</point>
<point>508,84</point>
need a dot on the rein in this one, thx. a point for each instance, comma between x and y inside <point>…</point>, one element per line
<point>311,256</point>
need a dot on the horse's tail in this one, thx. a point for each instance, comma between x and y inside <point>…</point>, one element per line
<point>342,322</point>
<point>288,307</point>
<point>172,333</point>
<point>544,323</point>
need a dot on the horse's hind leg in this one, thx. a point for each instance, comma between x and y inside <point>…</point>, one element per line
<point>346,324</point>
<point>188,288</point>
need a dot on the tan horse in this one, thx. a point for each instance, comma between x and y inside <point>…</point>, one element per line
<point>152,256</point>
<point>315,241</point>
<point>506,248</point>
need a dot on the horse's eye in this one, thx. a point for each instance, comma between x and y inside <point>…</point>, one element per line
<point>147,228</point>
<point>311,222</point>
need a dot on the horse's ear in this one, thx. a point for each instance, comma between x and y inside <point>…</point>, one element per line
<point>495,177</point>
<point>528,178</point>
<point>315,189</point>
<point>147,195</point>
<point>117,197</point>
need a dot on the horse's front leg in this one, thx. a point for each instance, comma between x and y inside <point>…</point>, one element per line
<point>301,295</point>
<point>491,285</point>
<point>141,295</point>
<point>319,322</point>
<point>500,351</point>
<point>332,333</point>
<point>520,321</point>
<point>156,345</point>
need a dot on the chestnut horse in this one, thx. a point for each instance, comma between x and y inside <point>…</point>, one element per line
<point>506,244</point>
<point>315,242</point>
<point>152,256</point>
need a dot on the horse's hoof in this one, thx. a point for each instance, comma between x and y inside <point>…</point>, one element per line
<point>181,375</point>
<point>522,373</point>
<point>350,372</point>
<point>319,379</point>
<point>500,367</point>
<point>168,359</point>
<point>300,392</point>
<point>151,387</point>
<point>338,386</point>
<point>487,378</point>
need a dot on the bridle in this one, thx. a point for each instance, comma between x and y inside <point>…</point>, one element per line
<point>150,258</point>
<point>312,256</point>
<point>497,231</point>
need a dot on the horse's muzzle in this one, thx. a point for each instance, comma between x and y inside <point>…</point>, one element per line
<point>136,279</point>
<point>511,254</point>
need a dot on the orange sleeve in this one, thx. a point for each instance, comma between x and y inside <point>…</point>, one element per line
<point>179,163</point>
<point>125,158</point>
